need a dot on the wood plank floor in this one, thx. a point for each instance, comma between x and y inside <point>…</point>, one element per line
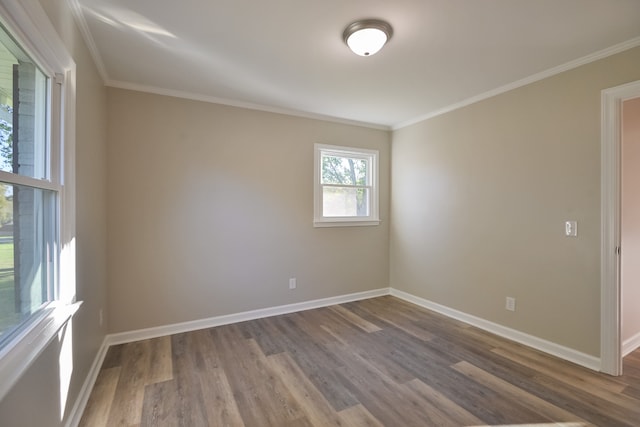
<point>377,362</point>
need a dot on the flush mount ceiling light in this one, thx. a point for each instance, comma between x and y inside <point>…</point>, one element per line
<point>366,37</point>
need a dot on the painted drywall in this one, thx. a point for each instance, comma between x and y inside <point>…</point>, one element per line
<point>630,219</point>
<point>211,212</point>
<point>480,196</point>
<point>43,397</point>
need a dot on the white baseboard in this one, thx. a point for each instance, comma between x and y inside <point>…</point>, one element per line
<point>562,352</point>
<point>631,344</point>
<point>554,349</point>
<point>142,334</point>
<point>160,331</point>
<point>83,397</point>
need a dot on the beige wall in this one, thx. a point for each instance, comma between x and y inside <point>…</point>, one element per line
<point>211,212</point>
<point>630,219</point>
<point>480,196</point>
<point>36,399</point>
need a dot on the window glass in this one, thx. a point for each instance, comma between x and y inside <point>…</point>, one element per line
<point>23,112</point>
<point>344,170</point>
<point>345,201</point>
<point>28,213</point>
<point>27,234</point>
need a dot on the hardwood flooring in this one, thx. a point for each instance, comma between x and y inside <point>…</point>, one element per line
<point>377,362</point>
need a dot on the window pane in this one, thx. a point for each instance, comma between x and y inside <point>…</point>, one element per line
<point>344,170</point>
<point>26,238</point>
<point>345,202</point>
<point>23,100</point>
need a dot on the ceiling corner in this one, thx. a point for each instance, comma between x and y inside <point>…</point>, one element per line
<point>78,15</point>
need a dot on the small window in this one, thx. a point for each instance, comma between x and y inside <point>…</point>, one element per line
<point>346,186</point>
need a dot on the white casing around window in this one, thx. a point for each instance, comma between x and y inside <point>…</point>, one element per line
<point>29,24</point>
<point>323,221</point>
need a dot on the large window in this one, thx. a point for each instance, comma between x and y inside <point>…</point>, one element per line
<point>37,186</point>
<point>346,186</point>
<point>28,196</point>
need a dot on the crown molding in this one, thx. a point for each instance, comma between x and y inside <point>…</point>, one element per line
<point>239,104</point>
<point>601,54</point>
<point>78,15</point>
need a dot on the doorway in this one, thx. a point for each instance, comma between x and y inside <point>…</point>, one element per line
<point>630,227</point>
<point>610,271</point>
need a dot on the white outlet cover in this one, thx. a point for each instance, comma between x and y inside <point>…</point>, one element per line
<point>571,228</point>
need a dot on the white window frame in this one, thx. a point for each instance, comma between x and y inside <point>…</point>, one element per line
<point>27,22</point>
<point>371,156</point>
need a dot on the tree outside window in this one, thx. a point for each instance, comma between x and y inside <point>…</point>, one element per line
<point>346,186</point>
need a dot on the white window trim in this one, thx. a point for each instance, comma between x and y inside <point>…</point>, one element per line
<point>321,221</point>
<point>29,24</point>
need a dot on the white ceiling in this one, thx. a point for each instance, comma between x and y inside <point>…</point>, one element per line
<point>288,55</point>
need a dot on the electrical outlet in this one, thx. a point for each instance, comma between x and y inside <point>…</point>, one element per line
<point>292,283</point>
<point>511,304</point>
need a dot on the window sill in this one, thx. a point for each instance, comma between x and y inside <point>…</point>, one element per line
<point>24,349</point>
<point>343,223</point>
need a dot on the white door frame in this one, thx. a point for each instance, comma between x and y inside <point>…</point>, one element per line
<point>610,181</point>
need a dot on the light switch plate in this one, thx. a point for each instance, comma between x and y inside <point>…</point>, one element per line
<point>571,228</point>
<point>510,304</point>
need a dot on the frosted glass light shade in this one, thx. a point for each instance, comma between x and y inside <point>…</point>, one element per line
<point>366,42</point>
<point>367,37</point>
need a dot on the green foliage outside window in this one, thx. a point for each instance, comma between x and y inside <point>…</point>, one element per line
<point>348,172</point>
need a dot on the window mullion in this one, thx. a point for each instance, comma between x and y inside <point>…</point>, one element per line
<point>12,178</point>
<point>346,186</point>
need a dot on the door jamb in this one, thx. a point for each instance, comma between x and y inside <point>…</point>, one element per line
<point>610,181</point>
